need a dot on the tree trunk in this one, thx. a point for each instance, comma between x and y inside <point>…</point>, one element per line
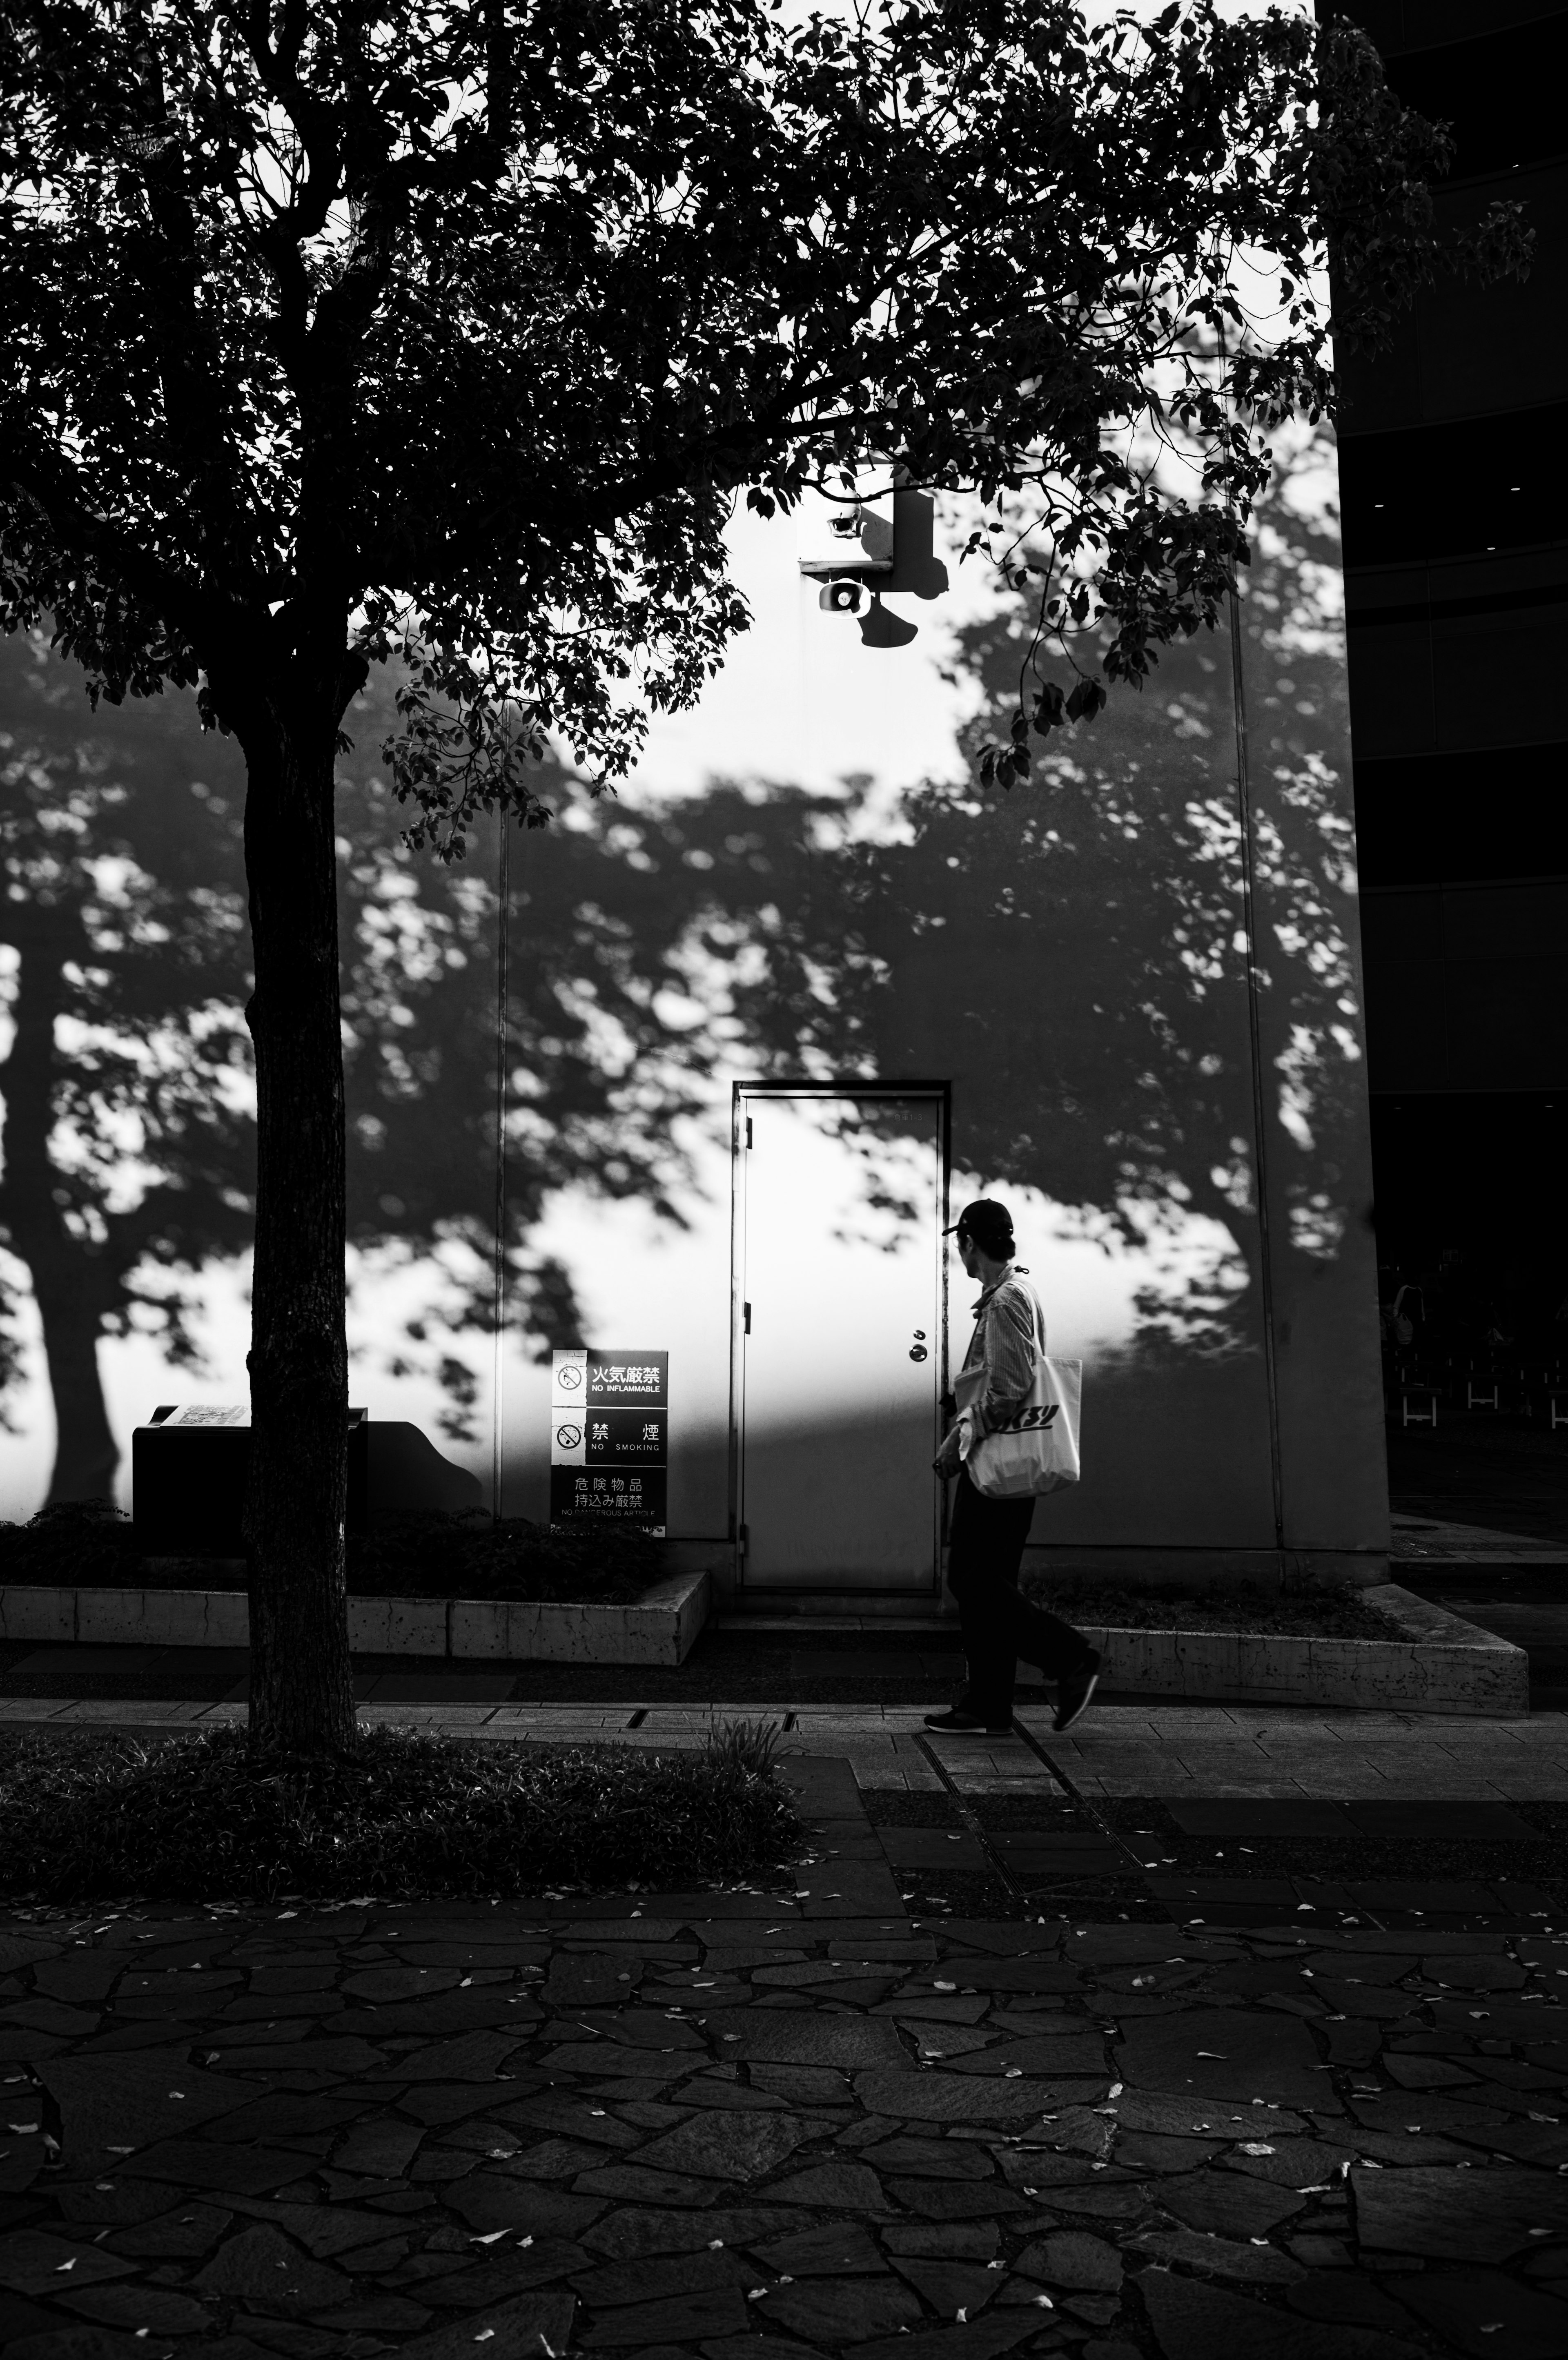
<point>301,1687</point>
<point>67,1285</point>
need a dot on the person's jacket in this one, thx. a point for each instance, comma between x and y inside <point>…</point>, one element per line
<point>1007,1326</point>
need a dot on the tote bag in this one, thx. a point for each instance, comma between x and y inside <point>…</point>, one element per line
<point>1036,1450</point>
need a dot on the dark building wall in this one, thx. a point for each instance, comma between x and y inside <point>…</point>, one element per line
<point>1456,580</point>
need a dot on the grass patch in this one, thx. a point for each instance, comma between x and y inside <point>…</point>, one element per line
<point>408,1817</point>
<point>1315,1615</point>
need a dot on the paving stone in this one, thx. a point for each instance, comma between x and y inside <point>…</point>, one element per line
<point>1057,2053</point>
<point>324,2230</point>
<point>1218,2256</point>
<point>1349,2296</point>
<point>574,2112</point>
<point>1070,2257</point>
<point>552,2160</point>
<point>525,2329</point>
<point>487,2201</point>
<point>1228,2204</point>
<point>1291,2162</point>
<point>966,2241</point>
<point>941,2159</point>
<point>503,2272</point>
<point>738,2146</point>
<point>805,2038</point>
<point>85,2342</point>
<point>853,2186</point>
<point>958,2200</point>
<point>716,2311</point>
<point>35,2261</point>
<point>1223,2053</point>
<point>755,2347</point>
<point>1483,2311</point>
<point>932,1848</point>
<point>955,2289</point>
<point>1193,2321</point>
<point>1032,1974</point>
<point>801,2085</point>
<point>940,2097</point>
<point>837,2250</point>
<point>267,2272</point>
<point>1105,2199</point>
<point>1424,2072</point>
<point>1242,1819</point>
<point>638,2186</point>
<point>642,2280</point>
<point>1421,2110</point>
<point>210,2165</point>
<point>107,2102</point>
<point>1154,2151</point>
<point>833,2312</point>
<point>979,2340</point>
<point>624,2235</point>
<point>472,2056</point>
<point>381,2148</point>
<point>21,2318</point>
<point>1182,2117</point>
<point>190,2230</point>
<point>138,2307</point>
<point>1448,1821</point>
<point>1470,2216</point>
<point>949,2040</point>
<point>380,2314</point>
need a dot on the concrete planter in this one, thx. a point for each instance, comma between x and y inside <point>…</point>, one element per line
<point>660,1628</point>
<point>1430,1662</point>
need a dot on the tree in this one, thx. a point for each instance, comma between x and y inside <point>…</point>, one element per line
<point>339,332</point>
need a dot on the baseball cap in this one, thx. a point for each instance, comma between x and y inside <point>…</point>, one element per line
<point>987,1222</point>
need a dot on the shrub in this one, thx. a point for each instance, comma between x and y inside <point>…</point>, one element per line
<point>77,1544</point>
<point>469,1556</point>
<point>201,1817</point>
<point>89,1545</point>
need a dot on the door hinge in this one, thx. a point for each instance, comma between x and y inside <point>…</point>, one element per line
<point>748,1131</point>
<point>747,1309</point>
<point>744,1533</point>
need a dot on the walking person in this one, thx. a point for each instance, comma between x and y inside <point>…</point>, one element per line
<point>986,1536</point>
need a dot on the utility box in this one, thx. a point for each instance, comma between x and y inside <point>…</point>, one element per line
<point>189,1468</point>
<point>850,534</point>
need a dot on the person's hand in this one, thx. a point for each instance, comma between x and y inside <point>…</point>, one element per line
<point>950,1457</point>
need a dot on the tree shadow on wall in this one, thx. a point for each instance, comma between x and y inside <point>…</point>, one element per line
<point>1071,951</point>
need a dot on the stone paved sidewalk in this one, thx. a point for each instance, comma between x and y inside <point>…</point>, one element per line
<point>745,2126</point>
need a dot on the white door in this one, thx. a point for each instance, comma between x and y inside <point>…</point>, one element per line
<point>839,1341</point>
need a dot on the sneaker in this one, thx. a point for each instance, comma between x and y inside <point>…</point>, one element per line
<point>1074,1690</point>
<point>954,1723</point>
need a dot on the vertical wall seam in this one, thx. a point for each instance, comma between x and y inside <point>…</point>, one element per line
<point>1255,1042</point>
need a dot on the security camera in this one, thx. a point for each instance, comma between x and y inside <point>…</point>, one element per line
<point>846,536</point>
<point>847,596</point>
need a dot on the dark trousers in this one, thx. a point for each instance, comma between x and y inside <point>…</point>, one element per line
<point>986,1549</point>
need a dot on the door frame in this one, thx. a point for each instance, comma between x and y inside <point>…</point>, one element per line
<point>812,1085</point>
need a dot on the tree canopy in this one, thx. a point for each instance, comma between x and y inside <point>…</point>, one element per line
<point>455,333</point>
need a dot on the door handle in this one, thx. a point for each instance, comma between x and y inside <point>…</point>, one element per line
<point>919,1352</point>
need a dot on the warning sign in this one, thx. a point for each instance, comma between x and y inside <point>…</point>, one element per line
<point>609,1440</point>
